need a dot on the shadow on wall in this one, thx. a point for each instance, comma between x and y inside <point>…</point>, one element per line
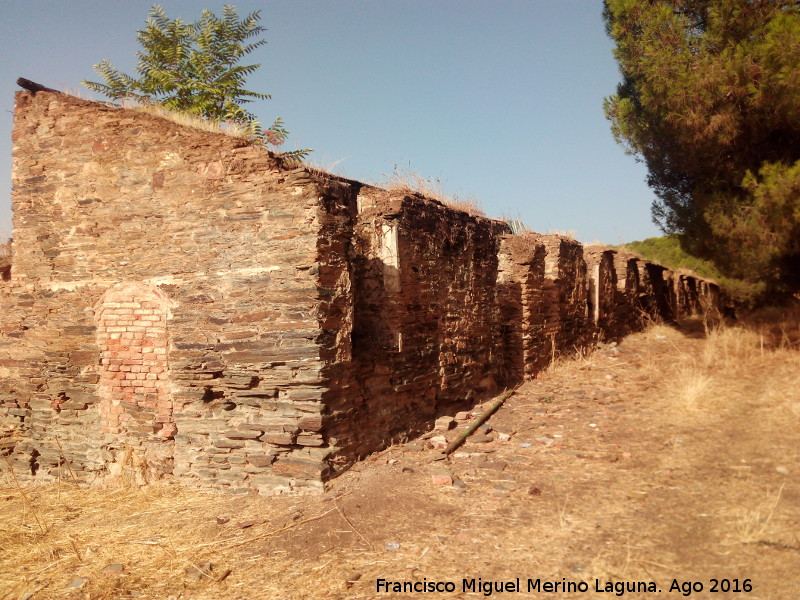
<point>5,259</point>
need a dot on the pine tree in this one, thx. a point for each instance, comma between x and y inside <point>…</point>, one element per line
<point>710,101</point>
<point>194,68</point>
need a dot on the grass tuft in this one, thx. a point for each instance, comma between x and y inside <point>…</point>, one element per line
<point>405,180</point>
<point>753,523</point>
<point>692,387</point>
<point>570,234</point>
<point>186,119</point>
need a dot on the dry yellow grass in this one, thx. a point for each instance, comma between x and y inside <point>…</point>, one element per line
<point>187,119</point>
<point>692,386</point>
<point>406,180</point>
<point>166,537</point>
<point>637,480</point>
<point>753,523</point>
<point>714,372</point>
<point>468,205</point>
<point>570,234</point>
<point>117,526</point>
<point>728,347</point>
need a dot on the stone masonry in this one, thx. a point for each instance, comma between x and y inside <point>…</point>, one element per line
<point>182,304</point>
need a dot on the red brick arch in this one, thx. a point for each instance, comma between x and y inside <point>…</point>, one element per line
<point>132,334</point>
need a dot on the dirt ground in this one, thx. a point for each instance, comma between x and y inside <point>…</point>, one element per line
<point>668,461</point>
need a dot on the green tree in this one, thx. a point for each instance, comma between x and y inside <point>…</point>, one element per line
<point>710,101</point>
<point>194,68</point>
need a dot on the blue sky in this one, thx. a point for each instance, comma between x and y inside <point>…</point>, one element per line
<point>498,100</point>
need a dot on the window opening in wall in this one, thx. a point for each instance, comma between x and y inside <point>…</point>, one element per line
<point>389,256</point>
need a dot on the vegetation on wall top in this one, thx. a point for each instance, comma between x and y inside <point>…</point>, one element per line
<point>195,68</point>
<point>668,251</point>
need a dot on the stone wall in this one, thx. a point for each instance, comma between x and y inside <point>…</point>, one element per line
<point>164,294</point>
<point>602,275</point>
<point>630,315</point>
<point>182,304</point>
<point>520,289</point>
<point>654,292</point>
<point>425,323</point>
<point>565,304</point>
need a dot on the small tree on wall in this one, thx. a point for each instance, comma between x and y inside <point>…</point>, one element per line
<point>194,68</point>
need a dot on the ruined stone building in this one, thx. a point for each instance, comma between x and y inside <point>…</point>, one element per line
<point>188,303</point>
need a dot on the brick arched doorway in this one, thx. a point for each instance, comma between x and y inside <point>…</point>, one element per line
<point>133,338</point>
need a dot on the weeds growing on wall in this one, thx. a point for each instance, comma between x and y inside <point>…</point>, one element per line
<point>194,68</point>
<point>186,119</point>
<point>403,179</point>
<point>570,234</point>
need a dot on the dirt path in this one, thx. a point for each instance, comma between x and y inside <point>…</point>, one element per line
<point>670,457</point>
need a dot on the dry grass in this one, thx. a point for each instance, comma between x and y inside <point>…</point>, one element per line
<point>699,381</point>
<point>164,535</point>
<point>703,385</point>
<point>570,234</point>
<point>187,119</point>
<point>692,387</point>
<point>117,526</point>
<point>406,180</point>
<point>628,507</point>
<point>779,326</point>
<point>660,332</point>
<point>572,363</point>
<point>468,204</point>
<point>702,378</point>
<point>781,388</point>
<point>707,376</point>
<point>325,166</point>
<point>230,128</point>
<point>753,524</point>
<point>728,348</point>
<point>517,225</point>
